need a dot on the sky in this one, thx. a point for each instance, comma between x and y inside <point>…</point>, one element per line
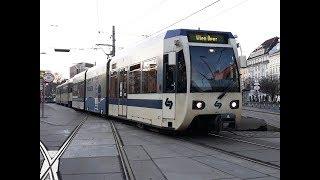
<point>76,24</point>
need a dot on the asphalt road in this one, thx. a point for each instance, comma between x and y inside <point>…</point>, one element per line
<point>57,125</point>
<point>270,118</point>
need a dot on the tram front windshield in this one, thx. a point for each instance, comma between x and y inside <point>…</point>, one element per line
<point>213,69</point>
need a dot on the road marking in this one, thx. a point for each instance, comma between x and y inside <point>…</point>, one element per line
<point>51,163</point>
<point>46,163</point>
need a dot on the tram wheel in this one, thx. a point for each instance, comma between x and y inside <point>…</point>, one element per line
<point>140,125</point>
<point>217,126</point>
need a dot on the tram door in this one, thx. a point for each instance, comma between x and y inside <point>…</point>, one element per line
<point>169,86</point>
<point>122,93</point>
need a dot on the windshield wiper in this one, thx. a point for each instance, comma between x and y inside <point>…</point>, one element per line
<point>226,90</point>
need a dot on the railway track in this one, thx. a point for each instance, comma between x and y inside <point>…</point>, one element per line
<point>197,142</point>
<point>125,165</point>
<point>255,160</point>
<point>267,112</point>
<point>235,154</point>
<point>244,141</point>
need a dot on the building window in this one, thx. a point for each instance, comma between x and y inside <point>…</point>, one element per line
<point>135,79</point>
<point>149,76</point>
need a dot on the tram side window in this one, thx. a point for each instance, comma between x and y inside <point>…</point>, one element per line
<point>169,76</point>
<point>64,89</point>
<point>81,89</point>
<point>135,79</point>
<point>69,88</point>
<point>149,76</point>
<point>124,76</point>
<point>181,73</point>
<point>75,89</point>
<point>113,85</point>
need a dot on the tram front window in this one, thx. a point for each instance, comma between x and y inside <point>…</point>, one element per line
<point>213,69</point>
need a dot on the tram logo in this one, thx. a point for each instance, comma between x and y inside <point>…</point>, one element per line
<point>218,104</point>
<point>168,103</point>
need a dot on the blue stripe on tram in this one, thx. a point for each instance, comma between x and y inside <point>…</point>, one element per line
<point>148,103</point>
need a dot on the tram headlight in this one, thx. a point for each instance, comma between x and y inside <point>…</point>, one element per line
<point>234,104</point>
<point>198,105</point>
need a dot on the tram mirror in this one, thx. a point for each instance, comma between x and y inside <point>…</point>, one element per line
<point>172,58</point>
<point>243,61</point>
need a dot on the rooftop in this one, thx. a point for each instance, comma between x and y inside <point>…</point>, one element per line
<point>265,47</point>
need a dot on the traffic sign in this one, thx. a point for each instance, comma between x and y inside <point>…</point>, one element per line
<point>48,77</point>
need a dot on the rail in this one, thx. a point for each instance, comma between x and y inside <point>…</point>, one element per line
<point>258,161</point>
<point>122,154</point>
<point>62,149</point>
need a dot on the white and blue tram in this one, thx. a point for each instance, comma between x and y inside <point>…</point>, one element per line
<point>182,79</point>
<point>64,93</point>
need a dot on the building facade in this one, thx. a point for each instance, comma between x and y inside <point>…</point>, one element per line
<point>244,76</point>
<point>274,61</point>
<point>263,61</point>
<point>258,63</point>
<point>78,68</point>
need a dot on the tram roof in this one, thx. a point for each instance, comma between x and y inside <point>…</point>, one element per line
<point>183,32</point>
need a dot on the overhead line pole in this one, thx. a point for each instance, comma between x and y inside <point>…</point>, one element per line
<point>113,42</point>
<point>113,45</point>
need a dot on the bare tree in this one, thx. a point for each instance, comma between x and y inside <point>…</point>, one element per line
<point>41,74</point>
<point>270,85</point>
<point>248,83</point>
<point>62,81</point>
<point>57,77</point>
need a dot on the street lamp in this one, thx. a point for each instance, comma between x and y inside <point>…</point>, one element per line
<point>61,50</point>
<point>99,46</point>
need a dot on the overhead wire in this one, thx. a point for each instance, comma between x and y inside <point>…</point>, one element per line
<point>179,20</point>
<point>146,12</point>
<point>190,15</point>
<point>211,4</point>
<point>225,10</point>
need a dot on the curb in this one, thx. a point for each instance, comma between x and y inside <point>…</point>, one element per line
<point>272,128</point>
<point>263,126</point>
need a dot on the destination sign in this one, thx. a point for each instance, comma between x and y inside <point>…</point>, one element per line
<point>200,37</point>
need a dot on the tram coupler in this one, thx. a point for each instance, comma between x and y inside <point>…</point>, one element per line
<point>223,121</point>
